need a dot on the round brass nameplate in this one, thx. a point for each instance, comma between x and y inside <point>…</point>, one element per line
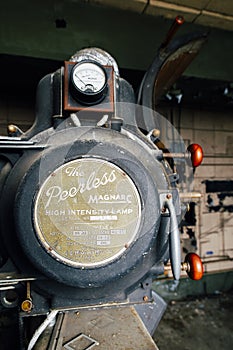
<point>87,212</point>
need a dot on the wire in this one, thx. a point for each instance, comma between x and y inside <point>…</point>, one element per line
<point>48,321</point>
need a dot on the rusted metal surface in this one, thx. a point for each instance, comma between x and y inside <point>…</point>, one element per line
<point>115,328</point>
<point>106,221</point>
<point>174,66</point>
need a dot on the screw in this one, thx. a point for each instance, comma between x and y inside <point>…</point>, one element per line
<point>145,298</point>
<point>156,133</point>
<point>169,196</point>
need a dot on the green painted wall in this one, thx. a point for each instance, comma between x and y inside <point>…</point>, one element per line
<point>28,28</point>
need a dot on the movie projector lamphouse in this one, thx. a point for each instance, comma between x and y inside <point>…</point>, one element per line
<point>89,201</point>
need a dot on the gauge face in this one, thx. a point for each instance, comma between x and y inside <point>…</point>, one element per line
<point>88,77</point>
<point>87,213</point>
<point>88,82</point>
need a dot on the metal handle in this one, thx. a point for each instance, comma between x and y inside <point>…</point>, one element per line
<point>174,239</point>
<point>179,20</point>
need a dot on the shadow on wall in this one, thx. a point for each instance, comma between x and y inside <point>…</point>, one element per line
<point>219,195</point>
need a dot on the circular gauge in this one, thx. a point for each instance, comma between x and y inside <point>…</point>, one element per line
<point>88,82</point>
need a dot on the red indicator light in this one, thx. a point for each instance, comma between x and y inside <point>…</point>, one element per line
<point>196,154</point>
<point>179,20</point>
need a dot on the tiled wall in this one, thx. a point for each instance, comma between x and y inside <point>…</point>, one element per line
<point>213,130</point>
